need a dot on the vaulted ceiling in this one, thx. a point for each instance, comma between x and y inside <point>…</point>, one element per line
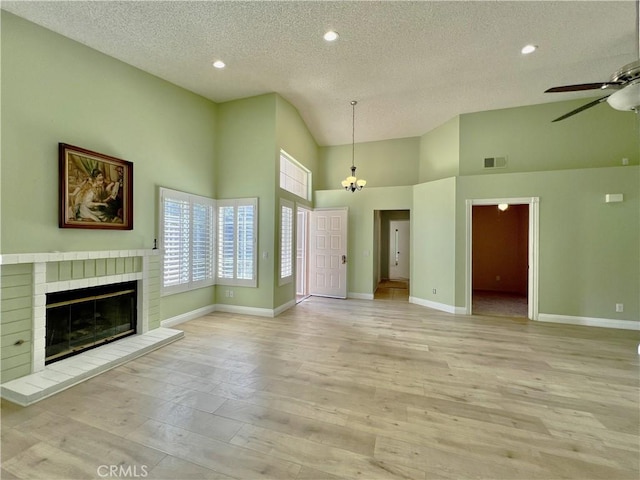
<point>410,65</point>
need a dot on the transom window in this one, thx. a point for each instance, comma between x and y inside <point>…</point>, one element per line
<point>294,177</point>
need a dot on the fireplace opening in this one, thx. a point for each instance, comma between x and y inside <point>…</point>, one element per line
<point>78,320</point>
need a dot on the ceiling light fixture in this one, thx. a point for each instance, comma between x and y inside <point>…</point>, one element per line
<point>331,36</point>
<point>626,99</point>
<point>527,49</point>
<point>351,183</point>
<point>219,64</point>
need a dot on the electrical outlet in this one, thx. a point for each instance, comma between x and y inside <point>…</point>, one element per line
<point>226,293</point>
<point>619,307</point>
<point>231,293</point>
<point>434,291</point>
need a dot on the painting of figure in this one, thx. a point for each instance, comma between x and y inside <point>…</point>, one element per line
<point>95,190</point>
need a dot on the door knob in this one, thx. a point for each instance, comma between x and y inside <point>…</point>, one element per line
<point>344,259</point>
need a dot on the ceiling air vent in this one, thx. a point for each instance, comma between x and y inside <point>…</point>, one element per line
<point>495,162</point>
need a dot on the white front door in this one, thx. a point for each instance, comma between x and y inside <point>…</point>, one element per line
<point>328,253</point>
<point>399,249</point>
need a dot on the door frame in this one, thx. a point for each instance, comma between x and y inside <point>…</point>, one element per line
<point>533,249</point>
<point>304,262</point>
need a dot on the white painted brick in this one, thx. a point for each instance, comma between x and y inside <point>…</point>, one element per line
<point>39,300</point>
<point>40,267</point>
<point>26,258</point>
<point>39,333</point>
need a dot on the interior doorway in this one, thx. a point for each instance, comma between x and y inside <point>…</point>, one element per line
<point>499,260</point>
<point>502,257</point>
<point>392,248</point>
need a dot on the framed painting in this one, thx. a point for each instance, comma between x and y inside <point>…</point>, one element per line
<point>96,190</point>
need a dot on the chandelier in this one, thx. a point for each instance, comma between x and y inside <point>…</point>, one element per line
<point>351,183</point>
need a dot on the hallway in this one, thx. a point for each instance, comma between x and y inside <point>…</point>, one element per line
<point>397,290</point>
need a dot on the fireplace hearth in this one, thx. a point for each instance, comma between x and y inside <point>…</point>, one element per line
<point>77,320</point>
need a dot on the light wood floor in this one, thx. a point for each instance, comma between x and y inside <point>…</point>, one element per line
<point>397,290</point>
<point>350,389</point>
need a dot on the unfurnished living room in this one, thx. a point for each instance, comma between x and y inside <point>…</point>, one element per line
<point>320,240</point>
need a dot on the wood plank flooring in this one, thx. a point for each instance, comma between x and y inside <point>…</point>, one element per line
<point>392,290</point>
<point>346,389</point>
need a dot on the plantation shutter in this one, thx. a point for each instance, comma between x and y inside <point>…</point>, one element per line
<point>202,242</point>
<point>237,235</point>
<point>286,240</point>
<point>226,248</point>
<point>176,240</point>
<point>187,234</point>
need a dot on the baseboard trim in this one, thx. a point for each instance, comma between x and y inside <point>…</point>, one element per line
<point>360,296</point>
<point>443,307</point>
<point>258,312</point>
<point>221,307</point>
<point>284,307</point>
<point>185,317</point>
<point>590,321</point>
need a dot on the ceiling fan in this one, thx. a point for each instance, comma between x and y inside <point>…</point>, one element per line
<point>624,85</point>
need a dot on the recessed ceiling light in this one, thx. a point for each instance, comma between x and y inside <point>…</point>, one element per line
<point>527,49</point>
<point>331,36</point>
<point>219,64</point>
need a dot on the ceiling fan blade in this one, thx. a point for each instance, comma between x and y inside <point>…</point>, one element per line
<point>582,108</point>
<point>584,86</point>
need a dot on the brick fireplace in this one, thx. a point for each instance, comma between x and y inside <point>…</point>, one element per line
<point>28,374</point>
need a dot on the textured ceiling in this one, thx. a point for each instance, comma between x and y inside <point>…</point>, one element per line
<point>411,65</point>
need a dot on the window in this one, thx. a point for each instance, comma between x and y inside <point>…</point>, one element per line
<point>286,241</point>
<point>187,239</point>
<point>294,177</point>
<point>237,239</point>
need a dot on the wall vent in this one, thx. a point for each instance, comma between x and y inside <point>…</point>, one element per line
<point>495,162</point>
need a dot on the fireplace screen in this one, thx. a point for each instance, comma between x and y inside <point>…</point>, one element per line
<point>81,319</point>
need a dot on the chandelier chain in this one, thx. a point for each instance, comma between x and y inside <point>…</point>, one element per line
<point>353,132</point>
<point>351,183</point>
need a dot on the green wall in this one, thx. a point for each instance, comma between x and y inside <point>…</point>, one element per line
<point>56,90</point>
<point>292,136</point>
<point>589,252</point>
<point>440,152</point>
<point>597,137</point>
<point>246,133</point>
<point>386,163</point>
<point>434,240</point>
<point>362,205</point>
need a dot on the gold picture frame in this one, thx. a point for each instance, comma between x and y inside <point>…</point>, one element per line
<point>96,190</point>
